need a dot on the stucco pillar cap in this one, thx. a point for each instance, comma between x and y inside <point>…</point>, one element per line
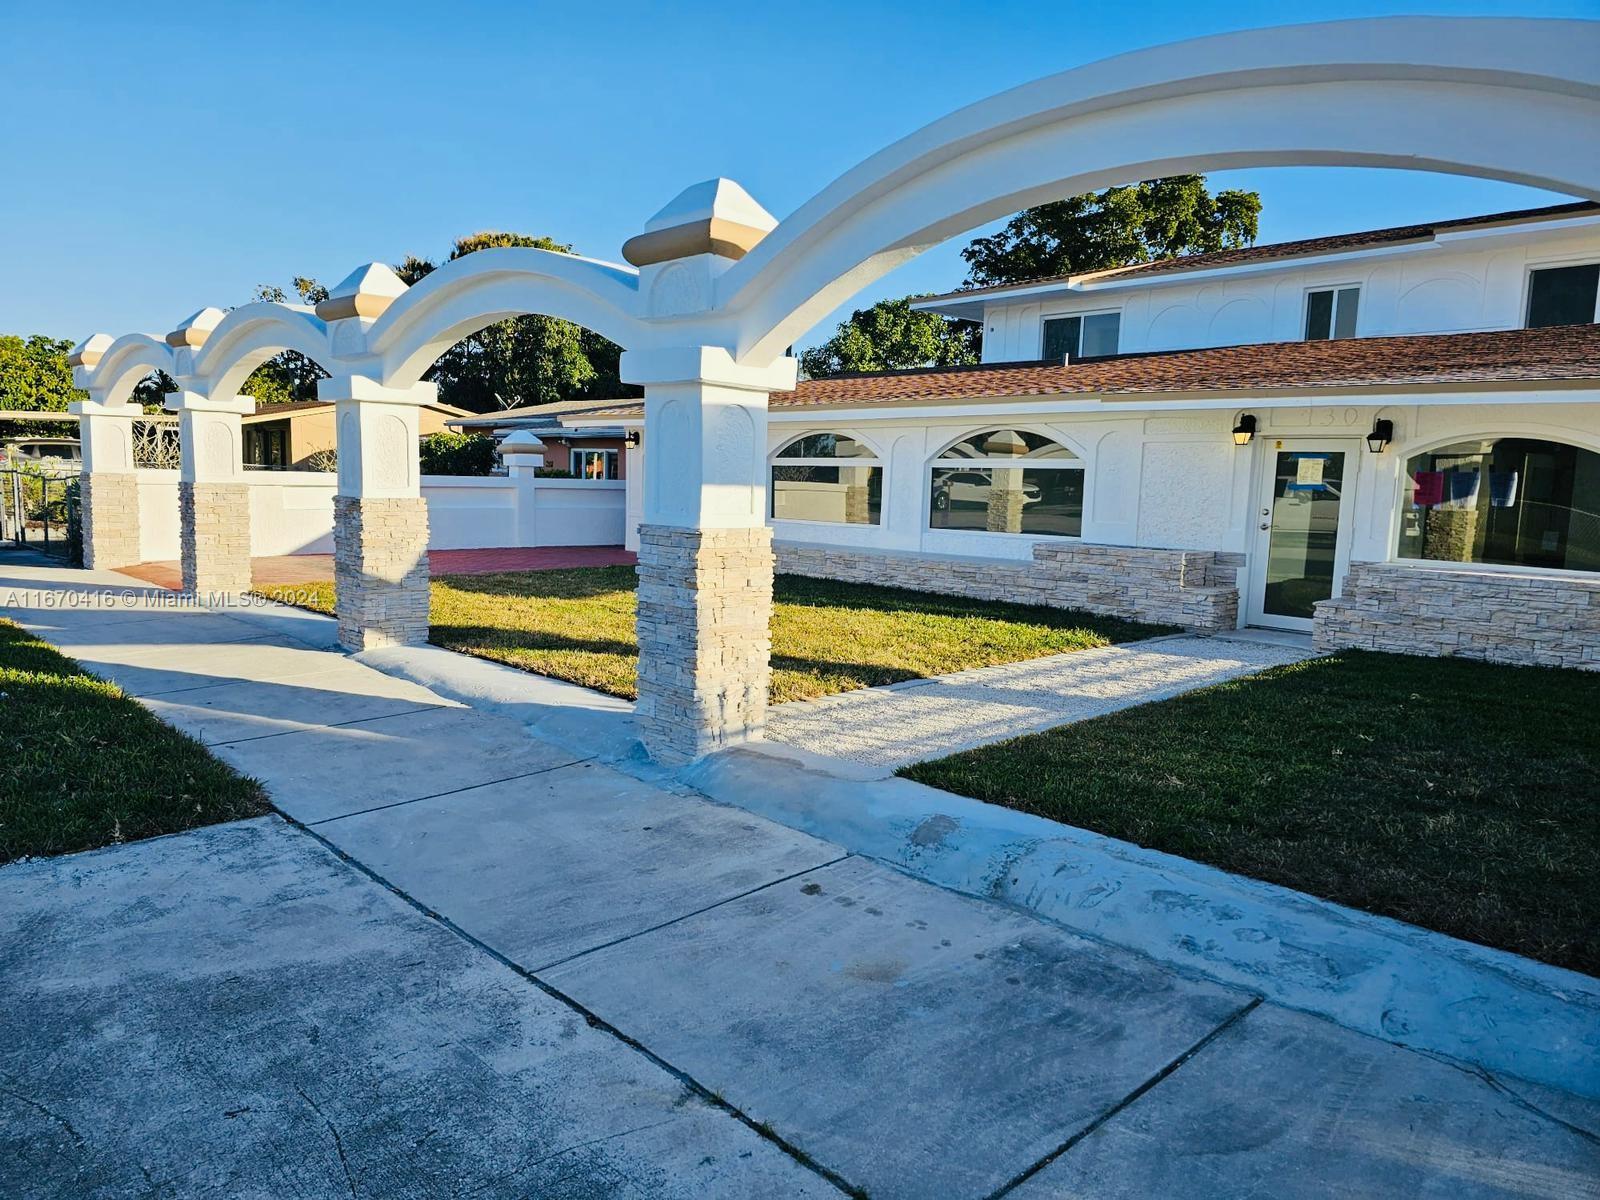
<point>182,401</point>
<point>89,351</point>
<point>368,390</point>
<point>98,408</point>
<point>705,365</point>
<point>366,292</point>
<point>194,331</point>
<point>714,217</point>
<point>521,441</point>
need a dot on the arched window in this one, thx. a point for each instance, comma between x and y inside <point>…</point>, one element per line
<point>1007,481</point>
<point>827,477</point>
<point>1516,501</point>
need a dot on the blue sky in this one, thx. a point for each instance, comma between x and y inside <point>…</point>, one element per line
<point>158,163</point>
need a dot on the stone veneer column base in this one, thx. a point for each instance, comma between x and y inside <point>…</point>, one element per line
<point>108,507</point>
<point>705,639</point>
<point>1500,616</point>
<point>380,571</point>
<point>214,538</point>
<point>1194,589</point>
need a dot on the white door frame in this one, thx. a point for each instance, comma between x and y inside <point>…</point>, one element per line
<point>1260,528</point>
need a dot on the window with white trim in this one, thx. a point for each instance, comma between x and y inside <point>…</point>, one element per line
<point>1331,313</point>
<point>1007,481</point>
<point>1564,296</point>
<point>1084,335</point>
<point>828,477</point>
<point>1508,500</point>
<point>594,464</point>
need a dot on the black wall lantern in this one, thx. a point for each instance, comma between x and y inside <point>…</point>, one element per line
<point>1244,430</point>
<point>632,438</point>
<point>1382,434</point>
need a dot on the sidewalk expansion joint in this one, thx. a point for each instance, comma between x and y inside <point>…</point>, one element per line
<point>277,733</point>
<point>628,937</point>
<point>1131,1098</point>
<point>440,795</point>
<point>595,1021</point>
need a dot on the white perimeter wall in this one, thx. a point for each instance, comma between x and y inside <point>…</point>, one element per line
<point>291,512</point>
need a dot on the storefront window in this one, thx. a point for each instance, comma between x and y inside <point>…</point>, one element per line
<point>828,477</point>
<point>1007,481</point>
<point>1514,501</point>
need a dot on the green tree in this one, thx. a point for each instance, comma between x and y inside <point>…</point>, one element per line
<point>890,336</point>
<point>34,375</point>
<point>1118,227</point>
<point>523,360</point>
<point>447,453</point>
<point>289,377</point>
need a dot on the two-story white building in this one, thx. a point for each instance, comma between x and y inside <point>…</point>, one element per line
<point>1391,438</point>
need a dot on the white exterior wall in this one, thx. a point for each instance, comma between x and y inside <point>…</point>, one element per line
<point>1172,478</point>
<point>291,512</point>
<point>1460,283</point>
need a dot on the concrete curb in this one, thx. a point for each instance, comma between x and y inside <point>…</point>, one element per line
<point>1383,977</point>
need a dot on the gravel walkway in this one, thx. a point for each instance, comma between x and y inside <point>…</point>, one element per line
<point>929,718</point>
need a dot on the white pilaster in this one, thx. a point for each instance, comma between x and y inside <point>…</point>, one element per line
<point>213,498</point>
<point>705,552</point>
<point>380,531</point>
<point>108,490</point>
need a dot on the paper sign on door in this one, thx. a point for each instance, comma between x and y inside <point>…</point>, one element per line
<point>1308,472</point>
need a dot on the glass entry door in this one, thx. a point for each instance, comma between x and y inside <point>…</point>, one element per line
<point>1301,540</point>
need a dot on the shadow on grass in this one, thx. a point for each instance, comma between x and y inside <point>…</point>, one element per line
<point>458,637</point>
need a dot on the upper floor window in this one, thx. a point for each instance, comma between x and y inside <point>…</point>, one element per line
<point>1517,501</point>
<point>1331,313</point>
<point>827,477</point>
<point>1092,335</point>
<point>1563,296</point>
<point>1007,481</point>
<point>594,464</point>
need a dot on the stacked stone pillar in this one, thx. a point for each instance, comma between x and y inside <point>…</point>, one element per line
<point>108,490</point>
<point>705,552</point>
<point>380,520</point>
<point>213,497</point>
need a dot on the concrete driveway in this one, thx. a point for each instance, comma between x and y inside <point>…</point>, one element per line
<point>471,962</point>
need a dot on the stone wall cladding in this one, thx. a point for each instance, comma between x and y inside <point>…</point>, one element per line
<point>1499,616</point>
<point>705,641</point>
<point>1195,589</point>
<point>214,537</point>
<point>380,571</point>
<point>108,504</point>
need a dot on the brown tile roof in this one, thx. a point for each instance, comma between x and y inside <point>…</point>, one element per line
<point>1304,248</point>
<point>1563,353</point>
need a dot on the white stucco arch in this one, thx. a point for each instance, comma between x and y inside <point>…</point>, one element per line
<point>126,362</point>
<point>250,335</point>
<point>473,292</point>
<point>1515,100</point>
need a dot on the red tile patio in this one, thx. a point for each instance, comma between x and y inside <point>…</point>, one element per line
<point>312,568</point>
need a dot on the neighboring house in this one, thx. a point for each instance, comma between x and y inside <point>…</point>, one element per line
<point>1408,419</point>
<point>587,453</point>
<point>289,436</point>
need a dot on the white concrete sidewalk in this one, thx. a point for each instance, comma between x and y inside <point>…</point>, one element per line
<point>930,718</point>
<point>482,962</point>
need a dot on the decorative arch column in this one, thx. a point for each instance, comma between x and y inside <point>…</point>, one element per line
<point>380,520</point>
<point>213,497</point>
<point>108,490</point>
<point>705,550</point>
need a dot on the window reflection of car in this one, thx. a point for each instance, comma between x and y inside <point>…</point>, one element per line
<point>973,487</point>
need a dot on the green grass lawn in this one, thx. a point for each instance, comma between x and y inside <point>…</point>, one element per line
<point>1457,795</point>
<point>81,765</point>
<point>827,637</point>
